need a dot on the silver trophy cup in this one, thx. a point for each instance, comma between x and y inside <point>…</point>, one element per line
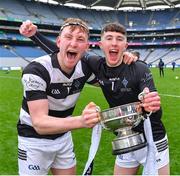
<point>121,120</point>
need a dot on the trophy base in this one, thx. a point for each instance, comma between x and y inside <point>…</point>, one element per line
<point>130,149</point>
<point>128,143</point>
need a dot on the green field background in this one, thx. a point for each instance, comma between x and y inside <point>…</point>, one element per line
<point>10,102</point>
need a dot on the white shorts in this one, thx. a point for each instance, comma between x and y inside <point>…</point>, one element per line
<point>134,159</point>
<point>37,156</point>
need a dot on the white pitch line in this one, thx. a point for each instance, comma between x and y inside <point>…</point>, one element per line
<point>87,85</point>
<point>167,95</point>
<point>10,77</point>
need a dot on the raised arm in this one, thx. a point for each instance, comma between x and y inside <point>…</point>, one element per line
<point>28,29</point>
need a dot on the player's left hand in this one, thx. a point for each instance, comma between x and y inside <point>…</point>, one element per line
<point>128,58</point>
<point>151,100</point>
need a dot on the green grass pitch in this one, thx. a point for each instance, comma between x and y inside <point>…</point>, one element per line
<point>10,102</point>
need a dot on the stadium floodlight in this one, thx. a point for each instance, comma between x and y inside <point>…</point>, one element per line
<point>75,5</point>
<point>48,1</point>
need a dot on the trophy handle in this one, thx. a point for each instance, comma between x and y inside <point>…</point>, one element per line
<point>103,126</point>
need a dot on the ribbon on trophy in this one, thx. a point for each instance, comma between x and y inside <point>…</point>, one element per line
<point>150,166</point>
<point>95,140</point>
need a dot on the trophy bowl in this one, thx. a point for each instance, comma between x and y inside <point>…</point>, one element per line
<point>121,120</point>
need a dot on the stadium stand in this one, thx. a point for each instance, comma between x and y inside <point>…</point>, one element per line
<point>153,33</point>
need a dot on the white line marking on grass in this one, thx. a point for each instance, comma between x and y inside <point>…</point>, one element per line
<point>167,95</point>
<point>88,85</point>
<point>10,77</point>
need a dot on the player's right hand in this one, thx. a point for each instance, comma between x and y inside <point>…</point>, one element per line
<point>27,29</point>
<point>150,100</point>
<point>90,115</point>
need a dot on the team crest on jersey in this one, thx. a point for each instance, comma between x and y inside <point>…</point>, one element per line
<point>125,88</point>
<point>76,84</point>
<point>125,82</point>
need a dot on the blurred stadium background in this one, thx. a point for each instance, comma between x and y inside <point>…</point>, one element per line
<point>153,30</point>
<point>154,33</point>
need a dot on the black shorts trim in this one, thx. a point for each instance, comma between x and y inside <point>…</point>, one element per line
<point>28,131</point>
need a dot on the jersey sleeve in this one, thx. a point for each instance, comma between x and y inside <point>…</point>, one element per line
<point>47,45</point>
<point>145,78</point>
<point>35,80</point>
<point>92,79</point>
<point>93,62</point>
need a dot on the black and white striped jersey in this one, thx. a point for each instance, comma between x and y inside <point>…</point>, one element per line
<point>44,79</point>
